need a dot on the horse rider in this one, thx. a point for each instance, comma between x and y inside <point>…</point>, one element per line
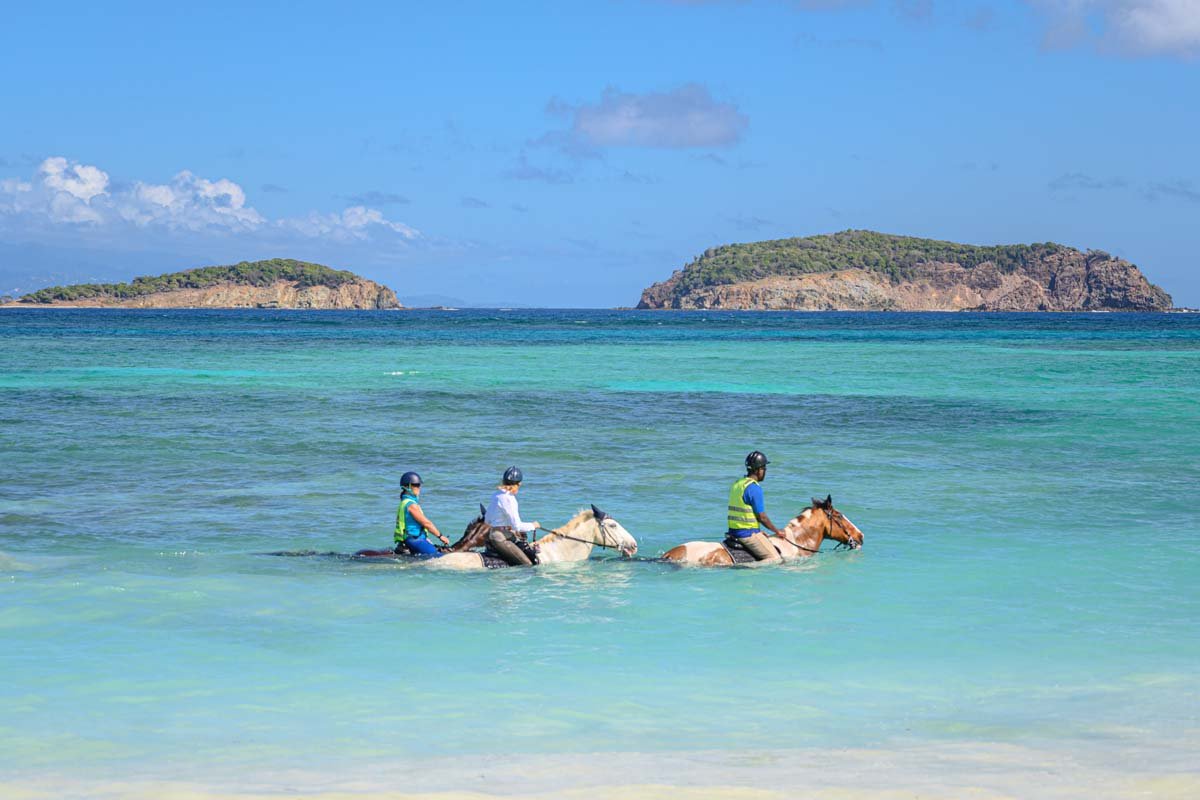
<point>748,514</point>
<point>507,536</point>
<point>412,526</point>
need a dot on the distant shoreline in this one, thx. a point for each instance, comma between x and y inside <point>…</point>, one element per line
<point>455,310</point>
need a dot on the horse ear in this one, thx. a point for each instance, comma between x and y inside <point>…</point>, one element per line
<point>829,501</point>
<point>598,514</point>
<point>816,503</point>
<point>482,510</point>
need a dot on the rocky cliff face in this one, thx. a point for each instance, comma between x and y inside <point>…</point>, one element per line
<point>1067,280</point>
<point>362,295</point>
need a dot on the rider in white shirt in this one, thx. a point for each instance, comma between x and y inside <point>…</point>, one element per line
<point>507,536</point>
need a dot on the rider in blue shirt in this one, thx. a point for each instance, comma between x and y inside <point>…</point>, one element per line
<point>748,514</point>
<point>412,526</point>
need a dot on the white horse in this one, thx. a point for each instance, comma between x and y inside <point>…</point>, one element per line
<point>572,542</point>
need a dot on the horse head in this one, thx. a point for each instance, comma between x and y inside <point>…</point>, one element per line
<point>610,533</point>
<point>474,535</point>
<point>838,525</point>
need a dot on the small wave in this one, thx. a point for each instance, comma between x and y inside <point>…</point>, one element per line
<point>410,372</point>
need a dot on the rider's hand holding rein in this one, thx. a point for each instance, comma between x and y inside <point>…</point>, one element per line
<point>426,523</point>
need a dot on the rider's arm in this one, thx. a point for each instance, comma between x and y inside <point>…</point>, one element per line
<point>425,522</point>
<point>765,521</point>
<point>514,516</point>
<point>753,497</point>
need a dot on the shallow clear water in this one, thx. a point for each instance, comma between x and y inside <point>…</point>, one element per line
<point>1027,484</point>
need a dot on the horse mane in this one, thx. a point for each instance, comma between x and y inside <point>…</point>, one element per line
<point>471,535</point>
<point>580,517</point>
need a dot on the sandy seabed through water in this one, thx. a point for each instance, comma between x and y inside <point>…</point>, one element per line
<point>978,771</point>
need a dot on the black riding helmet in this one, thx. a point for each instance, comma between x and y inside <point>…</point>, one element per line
<point>410,479</point>
<point>756,460</point>
<point>512,476</point>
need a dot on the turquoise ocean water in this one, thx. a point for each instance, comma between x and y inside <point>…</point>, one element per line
<point>1028,487</point>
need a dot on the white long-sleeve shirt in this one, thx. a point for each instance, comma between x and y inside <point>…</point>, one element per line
<point>502,513</point>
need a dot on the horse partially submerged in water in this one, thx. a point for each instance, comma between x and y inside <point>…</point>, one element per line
<point>800,538</point>
<point>473,536</point>
<point>573,541</point>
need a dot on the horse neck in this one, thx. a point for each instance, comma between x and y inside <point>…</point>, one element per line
<point>559,548</point>
<point>473,537</point>
<point>807,532</point>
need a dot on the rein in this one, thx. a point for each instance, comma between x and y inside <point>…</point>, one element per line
<point>849,544</point>
<point>603,534</point>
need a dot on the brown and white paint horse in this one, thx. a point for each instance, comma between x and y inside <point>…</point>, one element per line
<point>801,538</point>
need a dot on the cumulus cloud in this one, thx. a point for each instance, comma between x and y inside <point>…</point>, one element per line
<point>684,117</point>
<point>188,202</point>
<point>1131,27</point>
<point>60,191</point>
<point>81,196</point>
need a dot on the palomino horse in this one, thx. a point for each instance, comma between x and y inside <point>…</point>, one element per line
<point>572,542</point>
<point>801,538</point>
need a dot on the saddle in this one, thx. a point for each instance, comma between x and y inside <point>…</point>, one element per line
<point>490,555</point>
<point>493,561</point>
<point>739,554</point>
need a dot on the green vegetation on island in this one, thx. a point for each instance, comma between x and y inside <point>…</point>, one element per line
<point>893,256</point>
<point>247,273</point>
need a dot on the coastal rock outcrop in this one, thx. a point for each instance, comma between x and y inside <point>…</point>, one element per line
<point>360,295</point>
<point>866,271</point>
<point>278,283</point>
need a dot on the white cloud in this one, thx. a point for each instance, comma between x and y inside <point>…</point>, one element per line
<point>356,222</point>
<point>78,180</point>
<point>1133,27</point>
<point>684,117</point>
<point>189,202</point>
<point>67,193</point>
<point>60,191</point>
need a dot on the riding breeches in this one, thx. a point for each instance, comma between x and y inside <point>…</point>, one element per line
<point>759,546</point>
<point>420,547</point>
<point>504,543</point>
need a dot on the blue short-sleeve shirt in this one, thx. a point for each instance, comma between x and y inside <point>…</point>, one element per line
<point>753,497</point>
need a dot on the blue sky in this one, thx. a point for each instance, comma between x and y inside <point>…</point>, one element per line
<point>571,153</point>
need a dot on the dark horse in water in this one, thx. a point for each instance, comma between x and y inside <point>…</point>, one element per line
<point>474,536</point>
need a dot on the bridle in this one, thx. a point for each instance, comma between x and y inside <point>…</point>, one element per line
<point>840,519</point>
<point>832,515</point>
<point>604,535</point>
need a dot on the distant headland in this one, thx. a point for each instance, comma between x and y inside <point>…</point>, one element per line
<point>867,271</point>
<point>275,283</point>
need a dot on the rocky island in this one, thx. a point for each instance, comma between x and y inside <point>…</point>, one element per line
<point>867,271</point>
<point>275,283</point>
